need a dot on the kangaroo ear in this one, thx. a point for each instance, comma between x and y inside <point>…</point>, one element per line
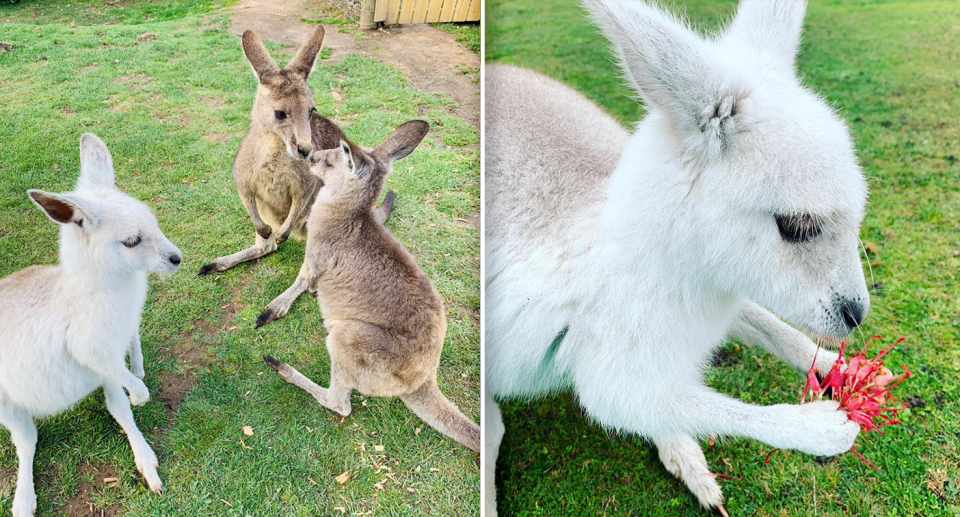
<point>96,164</point>
<point>258,56</point>
<point>771,27</point>
<point>348,155</point>
<point>402,141</point>
<point>306,56</point>
<point>62,208</point>
<point>673,69</point>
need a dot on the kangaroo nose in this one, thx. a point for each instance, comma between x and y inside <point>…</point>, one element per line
<point>852,313</point>
<point>175,259</point>
<point>304,151</point>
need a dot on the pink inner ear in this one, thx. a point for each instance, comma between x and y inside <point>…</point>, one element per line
<point>58,210</point>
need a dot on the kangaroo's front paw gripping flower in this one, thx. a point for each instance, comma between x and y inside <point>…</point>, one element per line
<point>861,386</point>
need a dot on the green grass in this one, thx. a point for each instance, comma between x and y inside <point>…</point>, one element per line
<point>173,110</point>
<point>468,34</point>
<point>98,12</point>
<point>891,69</point>
<point>330,20</point>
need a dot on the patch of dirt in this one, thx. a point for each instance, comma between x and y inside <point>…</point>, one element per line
<point>215,102</point>
<point>208,329</point>
<point>473,313</point>
<point>937,481</point>
<point>174,388</point>
<point>184,119</point>
<point>118,106</point>
<point>472,222</point>
<point>217,137</point>
<point>278,20</point>
<point>431,59</point>
<point>192,355</point>
<point>82,505</point>
<point>136,81</point>
<point>8,481</point>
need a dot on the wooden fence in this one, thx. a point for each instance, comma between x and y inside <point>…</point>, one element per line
<point>392,12</point>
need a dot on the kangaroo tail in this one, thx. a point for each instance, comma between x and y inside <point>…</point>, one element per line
<point>433,408</point>
<point>383,211</point>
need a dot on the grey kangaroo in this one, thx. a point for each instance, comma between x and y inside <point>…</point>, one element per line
<point>385,319</point>
<point>271,171</point>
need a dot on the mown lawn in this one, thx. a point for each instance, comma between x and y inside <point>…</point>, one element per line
<point>173,106</point>
<point>892,69</point>
<point>468,34</point>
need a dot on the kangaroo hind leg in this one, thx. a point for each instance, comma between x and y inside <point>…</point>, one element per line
<point>280,305</point>
<point>493,422</point>
<point>335,398</point>
<point>262,248</point>
<point>266,242</point>
<point>23,433</point>
<point>683,457</point>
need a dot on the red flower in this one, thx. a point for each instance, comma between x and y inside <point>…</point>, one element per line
<point>861,386</point>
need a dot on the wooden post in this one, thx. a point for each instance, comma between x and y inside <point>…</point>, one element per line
<point>367,8</point>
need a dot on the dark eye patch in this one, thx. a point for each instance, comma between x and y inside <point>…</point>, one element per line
<point>799,227</point>
<point>132,242</point>
<point>280,114</point>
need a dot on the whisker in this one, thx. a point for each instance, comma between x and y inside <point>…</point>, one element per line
<point>863,248</point>
<point>863,339</point>
<point>873,282</point>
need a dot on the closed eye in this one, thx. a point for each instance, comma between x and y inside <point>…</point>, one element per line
<point>132,242</point>
<point>799,227</point>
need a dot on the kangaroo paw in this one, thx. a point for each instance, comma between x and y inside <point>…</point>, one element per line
<point>387,205</point>
<point>683,457</point>
<point>265,317</point>
<point>272,362</point>
<point>207,268</point>
<point>265,231</point>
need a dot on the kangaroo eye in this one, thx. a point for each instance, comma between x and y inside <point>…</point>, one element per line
<point>132,242</point>
<point>798,228</point>
<point>280,114</point>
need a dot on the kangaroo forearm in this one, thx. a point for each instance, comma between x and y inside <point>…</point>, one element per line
<point>705,412</point>
<point>263,229</point>
<point>816,427</point>
<point>111,369</point>
<point>296,214</point>
<point>136,356</point>
<point>676,409</point>
<point>758,327</point>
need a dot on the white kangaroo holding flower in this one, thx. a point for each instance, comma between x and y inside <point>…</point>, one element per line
<point>67,329</point>
<point>617,264</point>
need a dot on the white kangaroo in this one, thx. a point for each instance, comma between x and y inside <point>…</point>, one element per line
<point>67,329</point>
<point>616,264</point>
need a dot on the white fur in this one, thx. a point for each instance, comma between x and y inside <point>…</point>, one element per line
<point>67,329</point>
<point>655,265</point>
